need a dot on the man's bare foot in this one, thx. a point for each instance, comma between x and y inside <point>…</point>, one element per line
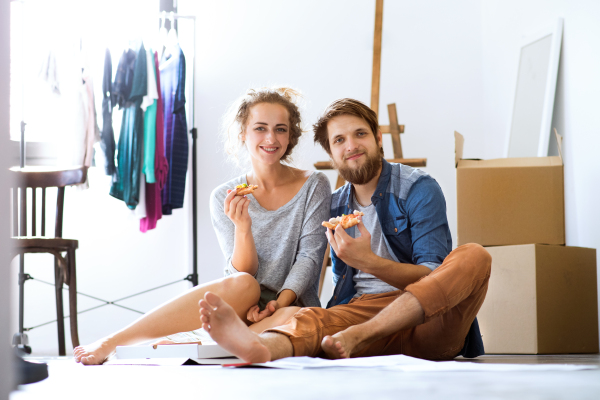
<point>229,331</point>
<point>95,353</point>
<point>342,344</point>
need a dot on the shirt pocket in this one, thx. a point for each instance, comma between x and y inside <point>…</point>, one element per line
<point>395,226</point>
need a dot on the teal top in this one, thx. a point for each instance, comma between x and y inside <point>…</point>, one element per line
<point>150,136</point>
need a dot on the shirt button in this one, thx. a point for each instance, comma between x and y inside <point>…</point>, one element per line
<point>343,276</point>
<point>335,297</point>
<point>395,229</point>
<point>380,194</point>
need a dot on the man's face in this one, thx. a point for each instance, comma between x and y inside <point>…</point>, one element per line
<point>355,151</point>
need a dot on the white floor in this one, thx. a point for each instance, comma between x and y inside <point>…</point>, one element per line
<point>69,380</point>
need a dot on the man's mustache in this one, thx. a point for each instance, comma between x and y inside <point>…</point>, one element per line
<point>353,154</point>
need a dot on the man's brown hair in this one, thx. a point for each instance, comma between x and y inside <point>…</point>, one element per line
<point>343,107</point>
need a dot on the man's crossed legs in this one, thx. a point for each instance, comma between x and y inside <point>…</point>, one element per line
<point>429,319</point>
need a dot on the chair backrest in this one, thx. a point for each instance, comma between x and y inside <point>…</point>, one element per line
<point>39,177</point>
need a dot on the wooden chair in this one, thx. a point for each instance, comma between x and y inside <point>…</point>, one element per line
<point>25,241</point>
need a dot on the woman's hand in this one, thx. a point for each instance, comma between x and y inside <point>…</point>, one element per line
<point>255,315</point>
<point>236,209</point>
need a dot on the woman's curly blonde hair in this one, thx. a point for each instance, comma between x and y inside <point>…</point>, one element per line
<point>234,121</point>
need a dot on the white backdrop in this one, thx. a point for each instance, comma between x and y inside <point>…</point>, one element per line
<point>431,69</point>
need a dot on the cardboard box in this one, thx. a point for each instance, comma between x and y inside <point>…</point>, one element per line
<point>509,201</point>
<point>541,299</point>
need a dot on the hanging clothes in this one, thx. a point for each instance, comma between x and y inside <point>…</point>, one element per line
<point>130,148</point>
<point>80,128</point>
<point>107,142</point>
<point>92,131</point>
<point>124,78</point>
<point>140,209</point>
<point>161,166</point>
<point>149,107</point>
<point>172,77</point>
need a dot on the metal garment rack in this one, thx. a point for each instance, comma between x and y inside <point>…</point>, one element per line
<point>22,340</point>
<point>193,277</point>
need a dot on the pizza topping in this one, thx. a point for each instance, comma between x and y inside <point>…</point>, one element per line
<point>242,186</point>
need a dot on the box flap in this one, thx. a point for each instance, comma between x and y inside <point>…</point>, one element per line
<point>459,142</point>
<point>512,162</point>
<point>559,145</point>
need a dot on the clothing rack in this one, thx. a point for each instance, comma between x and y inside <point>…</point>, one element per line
<point>21,338</point>
<point>193,277</point>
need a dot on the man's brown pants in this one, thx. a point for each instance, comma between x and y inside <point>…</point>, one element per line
<point>450,296</point>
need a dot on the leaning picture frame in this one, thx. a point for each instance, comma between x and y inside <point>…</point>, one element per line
<point>533,97</point>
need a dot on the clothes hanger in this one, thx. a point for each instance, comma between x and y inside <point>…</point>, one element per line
<point>172,39</point>
<point>162,35</point>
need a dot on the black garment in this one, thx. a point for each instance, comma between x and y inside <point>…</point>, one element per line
<point>124,78</point>
<point>131,139</point>
<point>172,79</point>
<point>107,139</point>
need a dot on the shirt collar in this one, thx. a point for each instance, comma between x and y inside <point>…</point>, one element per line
<point>383,183</point>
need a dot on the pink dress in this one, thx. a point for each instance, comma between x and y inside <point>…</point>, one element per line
<point>161,167</point>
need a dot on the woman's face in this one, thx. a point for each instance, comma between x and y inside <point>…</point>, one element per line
<point>267,132</point>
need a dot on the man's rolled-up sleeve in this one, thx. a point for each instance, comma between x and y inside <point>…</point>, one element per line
<point>426,209</point>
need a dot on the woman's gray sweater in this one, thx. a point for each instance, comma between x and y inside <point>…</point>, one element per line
<point>290,241</point>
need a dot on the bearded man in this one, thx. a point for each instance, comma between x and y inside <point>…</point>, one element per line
<point>399,287</point>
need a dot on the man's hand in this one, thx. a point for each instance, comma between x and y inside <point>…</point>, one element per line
<point>357,252</point>
<point>255,315</point>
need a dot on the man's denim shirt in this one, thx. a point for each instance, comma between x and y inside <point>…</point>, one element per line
<point>412,212</point>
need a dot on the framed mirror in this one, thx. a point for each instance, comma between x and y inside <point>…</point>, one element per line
<point>531,116</point>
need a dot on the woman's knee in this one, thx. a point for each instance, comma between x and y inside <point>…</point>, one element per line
<point>244,285</point>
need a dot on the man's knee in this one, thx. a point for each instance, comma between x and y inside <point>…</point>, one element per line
<point>477,257</point>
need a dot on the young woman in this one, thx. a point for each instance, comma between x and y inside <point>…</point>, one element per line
<point>272,240</point>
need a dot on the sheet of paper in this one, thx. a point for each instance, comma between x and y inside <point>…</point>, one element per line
<point>411,364</point>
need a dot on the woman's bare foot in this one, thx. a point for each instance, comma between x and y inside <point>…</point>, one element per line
<point>229,331</point>
<point>95,353</point>
<point>343,344</point>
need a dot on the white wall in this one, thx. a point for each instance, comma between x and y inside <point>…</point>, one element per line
<point>577,104</point>
<point>6,372</point>
<point>431,68</point>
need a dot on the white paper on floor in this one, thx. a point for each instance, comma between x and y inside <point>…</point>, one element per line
<point>411,364</point>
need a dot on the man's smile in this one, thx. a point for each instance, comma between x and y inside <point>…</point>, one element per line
<point>354,156</point>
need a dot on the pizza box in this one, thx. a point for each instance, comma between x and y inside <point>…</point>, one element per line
<point>173,354</point>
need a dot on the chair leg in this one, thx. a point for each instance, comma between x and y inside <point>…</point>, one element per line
<point>73,298</point>
<point>60,318</point>
<point>21,292</point>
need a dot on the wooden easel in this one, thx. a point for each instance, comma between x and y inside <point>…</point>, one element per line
<point>393,128</point>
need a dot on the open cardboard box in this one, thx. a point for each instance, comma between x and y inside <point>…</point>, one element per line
<point>541,299</point>
<point>509,201</point>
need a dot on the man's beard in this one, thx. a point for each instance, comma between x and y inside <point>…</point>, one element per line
<point>363,174</point>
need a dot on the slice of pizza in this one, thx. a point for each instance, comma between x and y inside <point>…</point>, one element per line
<point>347,221</point>
<point>245,189</point>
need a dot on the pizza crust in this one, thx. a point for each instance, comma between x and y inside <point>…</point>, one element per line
<point>347,221</point>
